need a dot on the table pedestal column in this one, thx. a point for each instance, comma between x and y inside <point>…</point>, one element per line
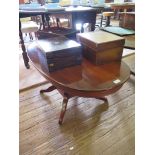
<point>66,97</point>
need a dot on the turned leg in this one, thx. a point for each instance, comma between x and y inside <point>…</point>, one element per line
<point>30,35</point>
<point>25,57</point>
<point>102,98</point>
<point>63,110</point>
<point>51,88</point>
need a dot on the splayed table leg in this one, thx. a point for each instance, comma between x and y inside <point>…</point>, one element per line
<point>63,110</point>
<point>51,88</point>
<point>103,99</point>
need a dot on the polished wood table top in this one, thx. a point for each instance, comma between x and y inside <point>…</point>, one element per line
<point>87,76</point>
<point>85,80</point>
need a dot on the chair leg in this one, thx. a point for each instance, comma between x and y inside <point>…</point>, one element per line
<point>107,21</point>
<point>36,35</point>
<point>58,22</point>
<point>101,21</point>
<point>31,37</point>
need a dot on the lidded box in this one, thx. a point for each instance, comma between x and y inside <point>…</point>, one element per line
<point>56,53</point>
<point>101,47</point>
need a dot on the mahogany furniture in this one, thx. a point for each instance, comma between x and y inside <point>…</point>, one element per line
<point>82,15</point>
<point>124,6</point>
<point>57,52</point>
<point>85,80</point>
<point>101,47</point>
<point>127,20</point>
<point>79,15</point>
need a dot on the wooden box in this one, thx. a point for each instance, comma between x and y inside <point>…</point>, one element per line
<point>57,53</point>
<point>127,20</point>
<point>101,47</point>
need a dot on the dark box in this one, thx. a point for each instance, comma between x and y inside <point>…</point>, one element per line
<point>57,53</point>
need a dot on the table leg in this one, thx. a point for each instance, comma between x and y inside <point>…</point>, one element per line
<point>51,88</point>
<point>102,98</point>
<point>25,57</point>
<point>63,110</point>
<point>64,103</point>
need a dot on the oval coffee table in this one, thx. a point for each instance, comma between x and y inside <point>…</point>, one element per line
<point>85,80</point>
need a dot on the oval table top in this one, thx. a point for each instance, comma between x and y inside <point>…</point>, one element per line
<point>85,77</point>
<point>85,80</point>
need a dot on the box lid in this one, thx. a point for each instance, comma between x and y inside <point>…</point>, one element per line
<point>100,40</point>
<point>55,44</point>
